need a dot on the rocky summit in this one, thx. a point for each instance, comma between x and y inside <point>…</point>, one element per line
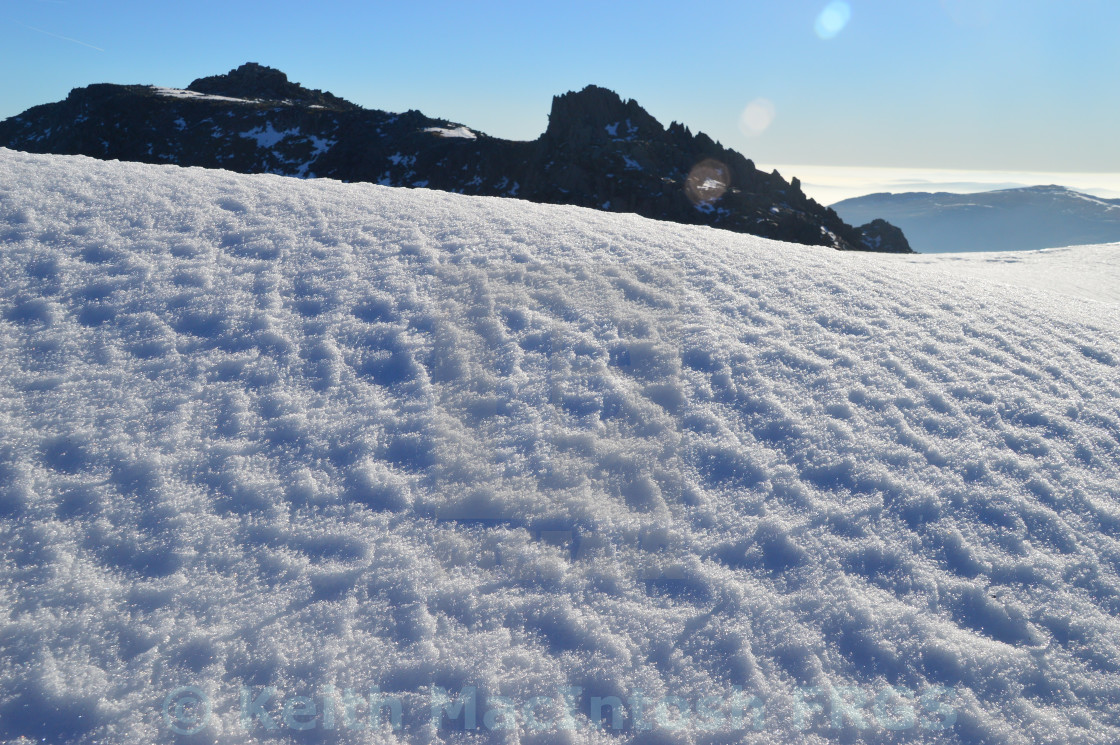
<point>252,80</point>
<point>599,151</point>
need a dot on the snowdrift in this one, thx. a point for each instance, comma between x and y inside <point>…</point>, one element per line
<point>316,462</point>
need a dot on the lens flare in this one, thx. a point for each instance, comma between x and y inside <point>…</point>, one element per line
<point>707,181</point>
<point>833,19</point>
<point>757,117</point>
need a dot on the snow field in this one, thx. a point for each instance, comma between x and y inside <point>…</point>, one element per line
<point>263,433</point>
<point>1086,272</point>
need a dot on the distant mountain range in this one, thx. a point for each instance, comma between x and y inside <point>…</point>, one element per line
<point>598,151</point>
<point>1009,219</point>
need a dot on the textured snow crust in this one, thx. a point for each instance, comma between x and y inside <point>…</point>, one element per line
<point>285,446</point>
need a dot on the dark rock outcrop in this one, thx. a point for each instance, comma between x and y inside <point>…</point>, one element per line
<point>598,151</point>
<point>254,81</point>
<point>879,232</point>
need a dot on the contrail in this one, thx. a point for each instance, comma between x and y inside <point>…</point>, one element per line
<point>60,36</point>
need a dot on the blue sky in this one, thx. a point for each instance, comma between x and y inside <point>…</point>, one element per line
<point>965,84</point>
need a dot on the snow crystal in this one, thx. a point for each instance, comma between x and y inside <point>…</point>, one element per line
<point>279,455</point>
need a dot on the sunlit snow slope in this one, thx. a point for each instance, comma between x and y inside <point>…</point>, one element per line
<point>266,444</point>
<point>1086,272</point>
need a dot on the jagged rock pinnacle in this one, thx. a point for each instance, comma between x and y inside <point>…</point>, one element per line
<point>598,113</point>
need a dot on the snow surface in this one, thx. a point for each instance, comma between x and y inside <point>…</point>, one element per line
<point>283,447</point>
<point>268,136</point>
<point>459,132</point>
<point>1108,205</point>
<point>612,130</point>
<point>184,93</point>
<point>1088,272</point>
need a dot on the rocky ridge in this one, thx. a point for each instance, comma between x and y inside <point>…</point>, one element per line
<point>598,151</point>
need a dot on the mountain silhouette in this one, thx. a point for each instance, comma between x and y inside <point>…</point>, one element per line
<point>599,151</point>
<point>1003,220</point>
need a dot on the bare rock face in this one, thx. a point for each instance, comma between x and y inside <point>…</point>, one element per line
<point>597,115</point>
<point>599,151</point>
